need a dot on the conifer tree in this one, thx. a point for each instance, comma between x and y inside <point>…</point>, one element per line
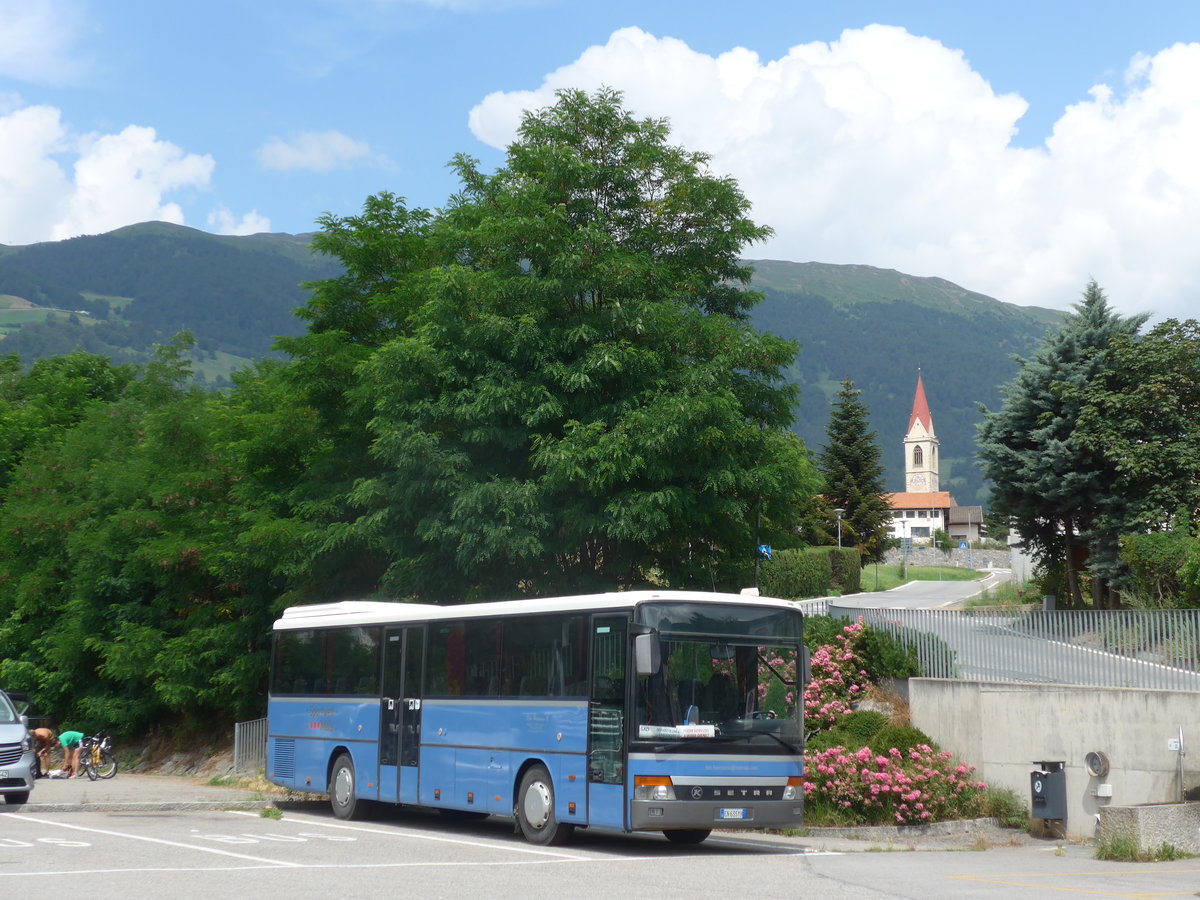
<point>853,471</point>
<point>1057,490</point>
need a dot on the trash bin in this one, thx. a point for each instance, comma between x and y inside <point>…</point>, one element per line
<point>1048,791</point>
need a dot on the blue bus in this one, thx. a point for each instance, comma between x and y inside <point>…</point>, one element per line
<point>671,711</point>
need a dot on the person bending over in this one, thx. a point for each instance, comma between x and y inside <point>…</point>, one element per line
<point>70,741</point>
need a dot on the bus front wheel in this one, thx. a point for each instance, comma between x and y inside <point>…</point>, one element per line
<point>342,795</point>
<point>535,810</point>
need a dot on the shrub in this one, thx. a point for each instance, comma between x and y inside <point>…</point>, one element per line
<point>1006,807</point>
<point>823,740</point>
<point>921,785</point>
<point>861,725</point>
<point>837,681</point>
<point>821,631</point>
<point>845,569</point>
<point>904,738</point>
<point>796,573</point>
<point>885,656</point>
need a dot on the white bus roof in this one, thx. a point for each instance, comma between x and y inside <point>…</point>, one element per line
<point>370,612</point>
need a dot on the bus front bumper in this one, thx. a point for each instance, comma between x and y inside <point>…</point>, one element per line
<point>660,815</point>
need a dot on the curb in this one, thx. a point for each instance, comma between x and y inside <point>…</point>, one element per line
<point>144,806</point>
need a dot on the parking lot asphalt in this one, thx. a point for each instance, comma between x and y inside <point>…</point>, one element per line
<point>127,791</point>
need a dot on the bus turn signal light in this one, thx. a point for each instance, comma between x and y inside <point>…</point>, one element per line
<point>653,787</point>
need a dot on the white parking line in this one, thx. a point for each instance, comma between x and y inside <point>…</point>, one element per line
<point>139,837</point>
<point>424,836</point>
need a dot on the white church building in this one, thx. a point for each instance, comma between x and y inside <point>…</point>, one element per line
<point>923,509</point>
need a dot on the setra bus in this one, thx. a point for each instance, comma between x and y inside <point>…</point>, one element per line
<point>671,711</point>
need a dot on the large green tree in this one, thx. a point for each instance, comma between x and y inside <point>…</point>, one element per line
<point>564,388</point>
<point>851,463</point>
<point>1143,415</point>
<point>131,595</point>
<point>1058,490</point>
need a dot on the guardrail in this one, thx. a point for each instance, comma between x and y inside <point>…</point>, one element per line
<point>250,746</point>
<point>1148,649</point>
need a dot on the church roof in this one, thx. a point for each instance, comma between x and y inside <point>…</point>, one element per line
<point>927,500</point>
<point>920,410</point>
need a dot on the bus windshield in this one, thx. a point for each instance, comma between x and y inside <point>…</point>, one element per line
<point>736,683</point>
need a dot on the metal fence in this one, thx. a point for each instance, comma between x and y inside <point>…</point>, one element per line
<point>1148,649</point>
<point>250,746</point>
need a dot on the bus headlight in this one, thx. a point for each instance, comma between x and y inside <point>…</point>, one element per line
<point>653,787</point>
<point>794,789</point>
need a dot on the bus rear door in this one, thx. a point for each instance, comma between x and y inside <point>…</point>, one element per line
<point>400,713</point>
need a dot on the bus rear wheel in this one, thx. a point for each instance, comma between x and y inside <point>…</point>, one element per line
<point>535,810</point>
<point>687,835</point>
<point>342,794</point>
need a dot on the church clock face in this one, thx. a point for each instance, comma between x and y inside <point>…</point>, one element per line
<point>917,481</point>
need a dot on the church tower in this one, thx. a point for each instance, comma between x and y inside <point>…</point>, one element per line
<point>920,447</point>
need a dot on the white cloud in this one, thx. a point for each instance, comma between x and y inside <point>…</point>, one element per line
<point>313,152</point>
<point>54,185</point>
<point>222,221</point>
<point>121,178</point>
<point>888,149</point>
<point>33,187</point>
<point>37,40</point>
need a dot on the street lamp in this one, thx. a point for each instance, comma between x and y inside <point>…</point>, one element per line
<point>839,512</point>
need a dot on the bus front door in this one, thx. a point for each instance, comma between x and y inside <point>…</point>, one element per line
<point>606,723</point>
<point>400,714</point>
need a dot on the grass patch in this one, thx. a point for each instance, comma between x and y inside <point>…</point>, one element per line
<point>272,812</point>
<point>1006,807</point>
<point>226,780</point>
<point>1006,594</point>
<point>1125,849</point>
<point>884,578</point>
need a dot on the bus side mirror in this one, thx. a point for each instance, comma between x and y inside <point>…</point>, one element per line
<point>647,654</point>
<point>806,664</point>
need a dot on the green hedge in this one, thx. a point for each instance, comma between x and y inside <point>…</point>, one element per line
<point>797,573</point>
<point>811,572</point>
<point>847,569</point>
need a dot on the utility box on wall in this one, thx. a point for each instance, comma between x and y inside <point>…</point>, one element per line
<point>1048,791</point>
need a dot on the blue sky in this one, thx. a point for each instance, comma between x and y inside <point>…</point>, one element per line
<point>1016,148</point>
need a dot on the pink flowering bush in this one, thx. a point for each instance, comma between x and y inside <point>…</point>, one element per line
<point>873,787</point>
<point>864,787</point>
<point>838,680</point>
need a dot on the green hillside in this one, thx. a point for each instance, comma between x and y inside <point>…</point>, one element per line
<point>137,286</point>
<point>877,327</point>
<point>119,293</point>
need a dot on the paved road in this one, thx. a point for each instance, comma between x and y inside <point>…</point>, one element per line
<point>189,854</point>
<point>922,594</point>
<point>1037,647</point>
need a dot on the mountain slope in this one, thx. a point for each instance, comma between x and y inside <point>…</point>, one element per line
<point>120,293</point>
<point>139,285</point>
<point>877,327</point>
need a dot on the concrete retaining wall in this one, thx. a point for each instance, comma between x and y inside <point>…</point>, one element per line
<point>1150,827</point>
<point>1003,729</point>
<point>967,559</point>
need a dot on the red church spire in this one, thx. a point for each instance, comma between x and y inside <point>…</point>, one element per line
<point>920,410</point>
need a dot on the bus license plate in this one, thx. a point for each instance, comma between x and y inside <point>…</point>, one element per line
<point>733,813</point>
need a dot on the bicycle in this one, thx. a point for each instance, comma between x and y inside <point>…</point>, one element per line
<point>96,756</point>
